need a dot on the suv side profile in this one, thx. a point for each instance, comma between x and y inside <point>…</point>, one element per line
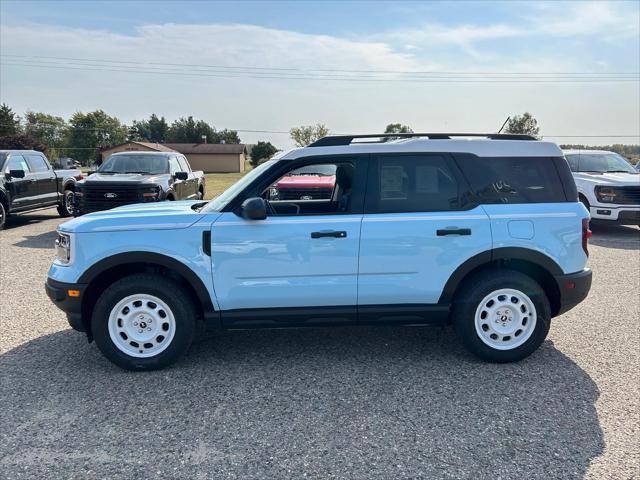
<point>485,233</point>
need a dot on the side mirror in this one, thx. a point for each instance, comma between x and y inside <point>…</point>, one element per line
<point>181,175</point>
<point>16,173</point>
<point>254,209</point>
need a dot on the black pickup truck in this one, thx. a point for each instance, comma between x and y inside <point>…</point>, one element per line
<point>28,182</point>
<point>137,177</point>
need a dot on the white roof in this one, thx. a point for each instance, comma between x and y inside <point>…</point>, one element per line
<point>480,147</point>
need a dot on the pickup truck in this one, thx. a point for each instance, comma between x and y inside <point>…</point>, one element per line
<point>138,177</point>
<point>29,182</point>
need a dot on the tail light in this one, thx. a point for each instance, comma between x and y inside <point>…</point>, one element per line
<point>586,235</point>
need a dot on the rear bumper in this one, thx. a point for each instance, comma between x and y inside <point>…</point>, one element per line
<point>58,292</point>
<point>573,289</point>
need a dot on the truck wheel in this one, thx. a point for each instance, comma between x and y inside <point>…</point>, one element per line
<point>65,209</point>
<point>200,194</point>
<point>3,216</point>
<point>143,322</point>
<point>501,315</point>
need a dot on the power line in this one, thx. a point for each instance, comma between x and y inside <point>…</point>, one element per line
<point>307,70</point>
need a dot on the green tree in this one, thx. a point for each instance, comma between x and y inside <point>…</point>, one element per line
<point>188,130</point>
<point>9,121</point>
<point>524,124</point>
<point>90,132</point>
<point>153,129</point>
<point>307,134</point>
<point>397,128</point>
<point>225,136</point>
<point>262,151</point>
<point>21,141</point>
<point>48,130</point>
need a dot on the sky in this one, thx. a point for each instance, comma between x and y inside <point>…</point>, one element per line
<point>264,67</point>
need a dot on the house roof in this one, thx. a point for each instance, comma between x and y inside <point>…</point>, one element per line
<point>207,148</point>
<point>158,147</point>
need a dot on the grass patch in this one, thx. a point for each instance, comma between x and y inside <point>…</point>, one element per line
<point>216,183</point>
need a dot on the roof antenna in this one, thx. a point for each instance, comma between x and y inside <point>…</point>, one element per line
<point>505,122</point>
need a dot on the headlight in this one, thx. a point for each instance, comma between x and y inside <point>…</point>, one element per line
<point>605,194</point>
<point>63,248</point>
<point>151,194</point>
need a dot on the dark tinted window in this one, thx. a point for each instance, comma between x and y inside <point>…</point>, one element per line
<point>513,180</point>
<point>412,183</point>
<point>37,163</point>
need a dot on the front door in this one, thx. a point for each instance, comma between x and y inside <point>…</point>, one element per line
<point>300,264</point>
<point>46,181</point>
<point>417,229</point>
<point>24,191</point>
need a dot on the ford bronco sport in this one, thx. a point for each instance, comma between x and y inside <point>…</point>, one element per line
<point>484,233</point>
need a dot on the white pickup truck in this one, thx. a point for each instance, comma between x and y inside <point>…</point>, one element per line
<point>607,185</point>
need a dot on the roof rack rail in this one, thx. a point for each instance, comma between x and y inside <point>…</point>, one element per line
<point>337,140</point>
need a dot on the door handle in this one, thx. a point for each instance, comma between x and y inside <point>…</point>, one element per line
<point>329,233</point>
<point>453,231</point>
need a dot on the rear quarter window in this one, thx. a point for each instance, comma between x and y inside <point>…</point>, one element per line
<point>512,179</point>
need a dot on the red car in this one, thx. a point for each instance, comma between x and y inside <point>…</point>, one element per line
<point>315,182</point>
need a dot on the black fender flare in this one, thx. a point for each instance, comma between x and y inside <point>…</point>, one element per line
<point>154,259</point>
<point>489,256</point>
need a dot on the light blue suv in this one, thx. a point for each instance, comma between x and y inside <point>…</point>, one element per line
<point>484,233</point>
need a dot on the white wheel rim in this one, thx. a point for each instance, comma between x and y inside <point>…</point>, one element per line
<point>141,325</point>
<point>68,202</point>
<point>505,319</point>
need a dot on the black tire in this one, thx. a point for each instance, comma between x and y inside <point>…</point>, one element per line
<point>471,294</point>
<point>200,194</point>
<point>165,289</point>
<point>3,215</point>
<point>65,209</point>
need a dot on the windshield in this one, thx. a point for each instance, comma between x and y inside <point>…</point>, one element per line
<point>220,201</point>
<point>599,162</point>
<point>150,164</point>
<point>322,170</point>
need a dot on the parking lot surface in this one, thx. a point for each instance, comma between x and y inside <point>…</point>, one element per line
<point>384,402</point>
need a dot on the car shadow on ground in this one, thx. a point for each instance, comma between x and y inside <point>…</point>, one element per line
<point>17,221</point>
<point>615,236</point>
<point>385,402</point>
<point>42,240</point>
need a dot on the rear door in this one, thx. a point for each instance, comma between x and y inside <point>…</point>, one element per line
<point>46,180</point>
<point>417,229</point>
<point>23,190</point>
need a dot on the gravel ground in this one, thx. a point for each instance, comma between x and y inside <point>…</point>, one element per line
<point>321,403</point>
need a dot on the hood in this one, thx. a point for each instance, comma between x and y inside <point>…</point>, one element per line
<point>123,178</point>
<point>612,179</point>
<point>307,181</point>
<point>141,216</point>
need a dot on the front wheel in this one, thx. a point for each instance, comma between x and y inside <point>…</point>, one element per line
<point>66,209</point>
<point>143,322</point>
<point>3,215</point>
<point>501,315</point>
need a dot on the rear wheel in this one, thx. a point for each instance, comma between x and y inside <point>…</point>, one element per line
<point>65,209</point>
<point>501,315</point>
<point>143,322</point>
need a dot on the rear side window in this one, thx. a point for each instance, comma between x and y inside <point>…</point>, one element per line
<point>412,183</point>
<point>37,163</point>
<point>512,179</point>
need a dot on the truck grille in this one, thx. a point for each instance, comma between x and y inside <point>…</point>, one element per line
<point>627,195</point>
<point>104,196</point>
<point>304,193</point>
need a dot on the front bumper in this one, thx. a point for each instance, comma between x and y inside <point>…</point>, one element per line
<point>620,215</point>
<point>68,298</point>
<point>573,289</point>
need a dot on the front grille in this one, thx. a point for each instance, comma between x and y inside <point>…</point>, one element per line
<point>627,195</point>
<point>304,193</point>
<point>105,196</point>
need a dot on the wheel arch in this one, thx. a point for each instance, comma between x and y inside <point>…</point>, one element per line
<point>536,265</point>
<point>108,270</point>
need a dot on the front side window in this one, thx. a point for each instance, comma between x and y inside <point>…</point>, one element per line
<point>412,183</point>
<point>135,163</point>
<point>184,165</point>
<point>174,166</point>
<point>17,162</point>
<point>315,189</point>
<point>512,179</point>
<point>38,163</point>
<point>599,163</point>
